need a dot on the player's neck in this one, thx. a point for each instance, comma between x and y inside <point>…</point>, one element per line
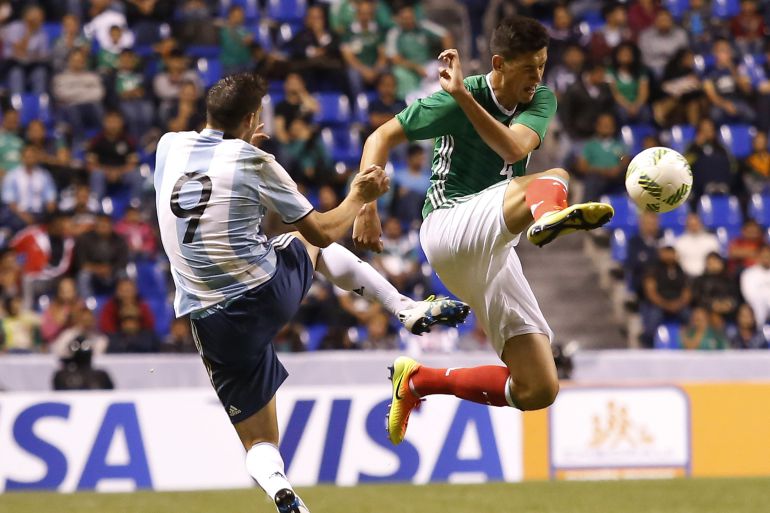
<point>497,81</point>
<point>225,133</point>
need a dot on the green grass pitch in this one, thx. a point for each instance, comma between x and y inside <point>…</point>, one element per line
<point>672,496</point>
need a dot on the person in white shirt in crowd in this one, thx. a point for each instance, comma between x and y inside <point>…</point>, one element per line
<point>104,15</point>
<point>29,191</point>
<point>755,286</point>
<point>694,245</point>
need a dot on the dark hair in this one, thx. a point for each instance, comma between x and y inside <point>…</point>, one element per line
<point>414,149</point>
<point>636,57</point>
<point>517,35</point>
<point>232,98</point>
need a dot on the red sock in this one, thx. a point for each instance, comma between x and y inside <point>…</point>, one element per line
<point>546,194</point>
<point>483,385</point>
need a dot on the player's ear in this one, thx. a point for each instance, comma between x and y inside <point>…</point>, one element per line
<point>497,62</point>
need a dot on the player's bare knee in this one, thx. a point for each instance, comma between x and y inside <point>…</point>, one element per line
<point>536,397</point>
<point>558,172</point>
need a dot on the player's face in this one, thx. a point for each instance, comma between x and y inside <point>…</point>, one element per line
<point>522,74</point>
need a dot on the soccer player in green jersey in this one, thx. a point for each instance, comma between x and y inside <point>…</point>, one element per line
<point>478,203</point>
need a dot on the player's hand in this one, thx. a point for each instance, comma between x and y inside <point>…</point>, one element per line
<point>259,136</point>
<point>367,229</point>
<point>370,184</point>
<point>450,75</point>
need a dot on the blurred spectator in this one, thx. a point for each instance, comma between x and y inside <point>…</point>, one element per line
<point>61,310</point>
<point>712,165</point>
<point>700,24</point>
<point>728,87</point>
<point>386,105</point>
<point>112,160</point>
<point>716,290</point>
<point>66,171</point>
<point>21,327</point>
<point>315,53</point>
<point>343,14</point>
<point>327,198</point>
<point>411,46</point>
<point>584,100</point>
<point>661,41</point>
<point>29,191</point>
<point>755,286</point>
<point>78,93</point>
<point>337,338</point>
<point>743,250</point>
<point>132,337</point>
<point>101,256</point>
<point>642,250</point>
<point>682,99</point>
<point>71,39</point>
<point>296,103</point>
<point>699,334</point>
<point>629,84</point>
<point>398,261</point>
<point>167,84</point>
<point>235,41</point>
<point>83,207</point>
<point>566,71</point>
<point>107,58</point>
<point>410,183</point>
<point>125,299</point>
<point>137,109</point>
<point>47,250</point>
<point>83,330</point>
<point>363,48</point>
<point>189,113</point>
<point>379,333</point>
<point>10,274</point>
<point>761,82</point>
<point>137,233</point>
<point>748,27</point>
<point>27,52</point>
<point>746,334</point>
<point>10,142</point>
<point>76,372</point>
<point>180,339</point>
<point>146,16</point>
<point>194,24</point>
<point>474,340</point>
<point>105,14</point>
<point>305,155</point>
<point>666,293</point>
<point>288,339</point>
<point>563,32</point>
<point>694,245</point>
<point>642,15</point>
<point>600,163</point>
<point>37,137</point>
<point>608,37</point>
<point>755,169</point>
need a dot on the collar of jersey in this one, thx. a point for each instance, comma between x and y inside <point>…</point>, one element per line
<point>492,94</point>
<point>216,134</point>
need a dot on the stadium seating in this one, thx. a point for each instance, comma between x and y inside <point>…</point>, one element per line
<point>626,217</point>
<point>725,8</point>
<point>250,8</point>
<point>633,136</point>
<point>210,71</point>
<point>53,30</point>
<point>205,51</point>
<point>32,106</point>
<point>759,208</point>
<point>737,138</point>
<point>678,137</point>
<point>721,211</point>
<point>677,7</point>
<point>619,245</point>
<point>313,336</point>
<point>287,11</point>
<point>667,337</point>
<point>674,220</point>
<point>334,109</point>
<point>345,144</point>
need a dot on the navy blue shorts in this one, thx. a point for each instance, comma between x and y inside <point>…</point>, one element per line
<point>235,337</point>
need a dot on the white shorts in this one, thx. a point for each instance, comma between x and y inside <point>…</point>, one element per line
<point>472,251</point>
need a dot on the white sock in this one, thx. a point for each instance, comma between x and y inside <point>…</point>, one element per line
<point>347,271</point>
<point>264,463</point>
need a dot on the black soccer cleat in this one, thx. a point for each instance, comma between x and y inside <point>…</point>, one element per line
<point>288,502</point>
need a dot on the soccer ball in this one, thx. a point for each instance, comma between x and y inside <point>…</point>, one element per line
<point>659,179</point>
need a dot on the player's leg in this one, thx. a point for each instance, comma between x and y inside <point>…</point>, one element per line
<point>347,271</point>
<point>259,436</point>
<point>542,197</point>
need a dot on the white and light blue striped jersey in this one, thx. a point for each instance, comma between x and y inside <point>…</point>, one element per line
<point>212,194</point>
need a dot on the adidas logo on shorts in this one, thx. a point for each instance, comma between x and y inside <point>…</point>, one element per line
<point>233,411</point>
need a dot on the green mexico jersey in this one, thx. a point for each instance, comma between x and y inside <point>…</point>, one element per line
<point>463,164</point>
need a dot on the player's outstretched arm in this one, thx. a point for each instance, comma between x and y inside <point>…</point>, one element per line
<point>323,228</point>
<point>511,143</point>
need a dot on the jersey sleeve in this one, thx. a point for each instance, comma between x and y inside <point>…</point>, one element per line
<point>279,193</point>
<point>430,117</point>
<point>538,114</point>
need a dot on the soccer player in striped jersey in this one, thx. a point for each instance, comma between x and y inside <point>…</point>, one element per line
<point>478,204</point>
<point>213,189</point>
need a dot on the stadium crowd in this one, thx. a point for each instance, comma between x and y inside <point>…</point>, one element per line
<point>88,87</point>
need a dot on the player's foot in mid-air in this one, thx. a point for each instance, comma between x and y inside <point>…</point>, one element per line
<point>419,318</point>
<point>581,216</point>
<point>288,502</point>
<point>404,400</point>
